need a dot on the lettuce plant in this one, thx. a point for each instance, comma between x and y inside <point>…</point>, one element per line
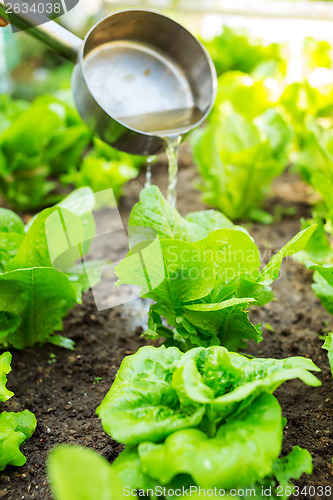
<point>15,428</point>
<point>38,279</point>
<point>159,391</point>
<point>206,414</point>
<point>238,159</point>
<point>202,284</point>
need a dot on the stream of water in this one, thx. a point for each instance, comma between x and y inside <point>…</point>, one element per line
<point>150,161</point>
<point>169,125</point>
<point>172,151</point>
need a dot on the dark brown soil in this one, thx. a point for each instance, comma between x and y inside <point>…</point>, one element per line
<point>63,389</point>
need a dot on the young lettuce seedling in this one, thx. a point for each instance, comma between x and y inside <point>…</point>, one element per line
<point>38,279</point>
<point>15,428</point>
<point>202,272</point>
<point>238,159</point>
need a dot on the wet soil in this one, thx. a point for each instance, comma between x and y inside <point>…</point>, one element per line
<point>63,388</point>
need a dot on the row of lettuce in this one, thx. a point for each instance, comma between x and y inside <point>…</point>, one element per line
<point>192,413</point>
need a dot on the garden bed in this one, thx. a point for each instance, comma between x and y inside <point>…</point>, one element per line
<point>63,388</point>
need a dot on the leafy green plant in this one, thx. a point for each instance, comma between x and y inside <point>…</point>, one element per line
<point>235,50</point>
<point>15,428</point>
<point>202,285</point>
<point>159,391</point>
<point>238,159</point>
<point>44,140</point>
<point>38,280</point>
<point>206,413</point>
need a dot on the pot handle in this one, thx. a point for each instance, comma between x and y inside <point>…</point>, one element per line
<point>48,32</point>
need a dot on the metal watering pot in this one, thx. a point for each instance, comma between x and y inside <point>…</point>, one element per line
<point>139,76</point>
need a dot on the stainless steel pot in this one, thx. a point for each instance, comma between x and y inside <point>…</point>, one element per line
<point>138,77</point>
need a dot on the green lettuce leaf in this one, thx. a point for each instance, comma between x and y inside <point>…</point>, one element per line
<point>175,274</point>
<point>5,361</point>
<point>242,451</point>
<point>314,161</point>
<point>153,215</point>
<point>141,403</point>
<point>226,323</point>
<point>39,280</point>
<point>271,272</point>
<point>318,248</point>
<point>10,222</point>
<point>101,172</point>
<point>303,102</point>
<point>292,466</point>
<point>228,381</point>
<point>9,246</point>
<point>15,428</point>
<point>39,298</point>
